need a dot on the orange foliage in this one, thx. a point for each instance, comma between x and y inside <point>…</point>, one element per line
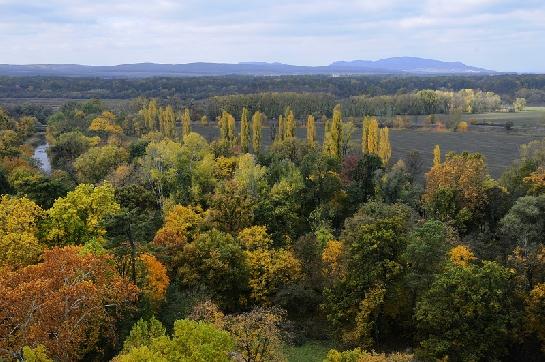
<point>461,255</point>
<point>155,280</point>
<point>66,303</point>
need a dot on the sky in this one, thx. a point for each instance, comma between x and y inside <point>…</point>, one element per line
<point>503,35</point>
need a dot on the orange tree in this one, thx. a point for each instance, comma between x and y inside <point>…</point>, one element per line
<point>67,303</point>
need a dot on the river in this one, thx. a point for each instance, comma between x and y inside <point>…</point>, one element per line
<point>40,155</point>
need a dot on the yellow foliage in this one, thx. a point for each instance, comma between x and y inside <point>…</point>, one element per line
<point>462,126</point>
<point>436,155</point>
<point>461,255</point>
<point>105,123</point>
<point>180,223</point>
<point>536,181</point>
<point>19,218</point>
<point>331,256</point>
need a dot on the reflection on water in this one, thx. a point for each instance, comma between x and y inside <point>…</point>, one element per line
<point>40,155</point>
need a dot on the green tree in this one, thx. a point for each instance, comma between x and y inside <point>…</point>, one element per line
<point>482,312</point>
<point>190,342</point>
<point>95,164</point>
<point>78,217</point>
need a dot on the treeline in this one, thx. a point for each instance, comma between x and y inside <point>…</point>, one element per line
<point>161,245</point>
<point>417,103</point>
<point>195,88</point>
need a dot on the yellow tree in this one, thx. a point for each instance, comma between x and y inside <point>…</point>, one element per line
<point>385,148</point>
<point>150,114</point>
<point>204,120</point>
<point>223,126</point>
<point>167,121</point>
<point>365,135</point>
<point>436,155</point>
<point>105,124</point>
<point>280,131</point>
<point>19,245</point>
<point>311,130</point>
<point>256,132</point>
<point>231,131</point>
<point>336,131</point>
<point>244,131</point>
<point>186,123</point>
<point>373,137</point>
<point>289,131</point>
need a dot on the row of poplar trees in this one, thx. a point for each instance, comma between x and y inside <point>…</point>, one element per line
<point>375,140</point>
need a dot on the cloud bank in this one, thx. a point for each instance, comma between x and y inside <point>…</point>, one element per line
<point>504,35</point>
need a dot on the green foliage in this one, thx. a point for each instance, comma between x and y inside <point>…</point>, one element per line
<point>190,342</point>
<point>468,314</point>
<point>95,164</point>
<point>78,217</point>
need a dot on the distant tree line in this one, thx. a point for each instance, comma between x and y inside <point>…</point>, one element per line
<point>194,88</point>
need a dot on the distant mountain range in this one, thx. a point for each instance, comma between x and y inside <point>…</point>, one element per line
<point>397,65</point>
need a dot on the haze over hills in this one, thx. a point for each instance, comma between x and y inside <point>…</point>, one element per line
<point>397,65</point>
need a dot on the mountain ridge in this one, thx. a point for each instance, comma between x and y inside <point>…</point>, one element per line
<point>394,65</point>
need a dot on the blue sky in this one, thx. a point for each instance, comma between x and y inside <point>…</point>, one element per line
<point>505,35</point>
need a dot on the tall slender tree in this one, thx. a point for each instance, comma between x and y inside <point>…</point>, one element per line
<point>244,131</point>
<point>222,124</point>
<point>436,155</point>
<point>289,131</point>
<point>151,115</point>
<point>256,132</point>
<point>336,131</point>
<point>280,130</point>
<point>365,135</point>
<point>167,121</point>
<point>231,130</point>
<point>385,148</point>
<point>311,130</point>
<point>186,123</point>
<point>373,137</point>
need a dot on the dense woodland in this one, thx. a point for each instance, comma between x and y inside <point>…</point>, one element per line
<point>149,242</point>
<point>508,86</point>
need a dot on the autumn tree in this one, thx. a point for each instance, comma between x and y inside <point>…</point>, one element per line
<point>190,341</point>
<point>269,268</point>
<point>257,334</point>
<point>105,124</point>
<point>256,132</point>
<point>152,280</point>
<point>384,147</point>
<point>289,130</point>
<point>186,123</point>
<point>167,121</point>
<point>360,301</point>
<point>78,217</point>
<point>436,155</point>
<point>311,131</point>
<point>204,120</point>
<point>150,113</point>
<point>19,244</point>
<point>373,137</point>
<point>365,135</point>
<point>66,303</point>
<point>244,131</point>
<point>95,164</point>
<point>456,189</point>
<point>280,130</point>
<point>336,133</point>
<point>214,260</point>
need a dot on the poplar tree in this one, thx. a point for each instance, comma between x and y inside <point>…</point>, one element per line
<point>289,131</point>
<point>336,132</point>
<point>436,155</point>
<point>186,123</point>
<point>167,121</point>
<point>372,139</point>
<point>244,131</point>
<point>151,115</point>
<point>385,148</point>
<point>365,135</point>
<point>311,130</point>
<point>256,132</point>
<point>231,131</point>
<point>222,124</point>
<point>280,131</point>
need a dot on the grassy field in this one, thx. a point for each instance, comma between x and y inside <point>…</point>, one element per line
<point>312,351</point>
<point>500,148</point>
